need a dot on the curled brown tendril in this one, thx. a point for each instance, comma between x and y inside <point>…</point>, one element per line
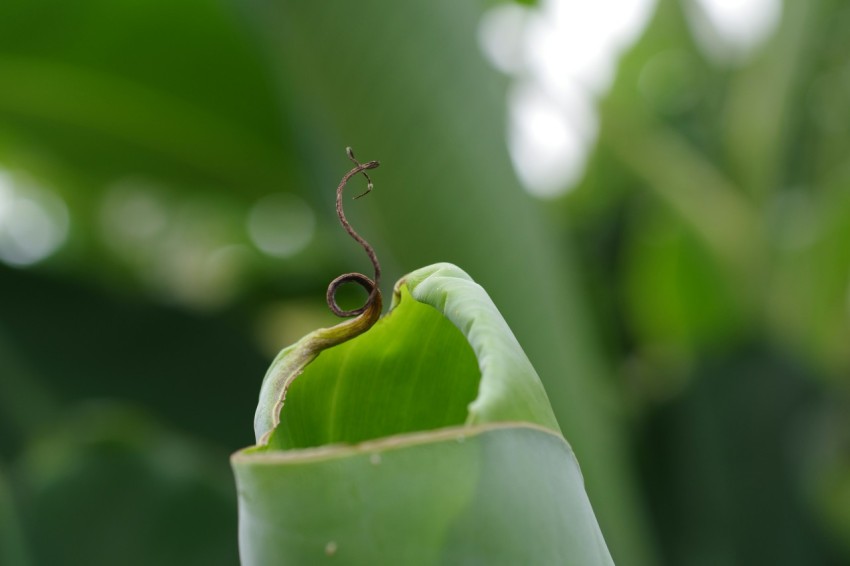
<point>368,284</point>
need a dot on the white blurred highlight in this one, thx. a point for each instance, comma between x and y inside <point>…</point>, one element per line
<point>729,31</point>
<point>34,221</point>
<point>564,55</point>
<point>549,138</point>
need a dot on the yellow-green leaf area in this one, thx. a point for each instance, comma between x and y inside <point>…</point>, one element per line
<point>412,371</point>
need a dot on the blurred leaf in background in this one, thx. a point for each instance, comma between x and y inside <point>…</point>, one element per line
<point>716,188</point>
<point>135,139</point>
<point>166,197</point>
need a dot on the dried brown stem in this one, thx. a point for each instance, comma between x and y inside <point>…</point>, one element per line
<point>370,285</point>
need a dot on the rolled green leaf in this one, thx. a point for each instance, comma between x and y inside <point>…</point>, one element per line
<point>427,439</point>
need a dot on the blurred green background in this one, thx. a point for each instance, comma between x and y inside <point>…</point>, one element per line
<point>167,175</point>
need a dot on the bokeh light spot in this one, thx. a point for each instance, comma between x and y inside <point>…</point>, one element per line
<point>34,222</point>
<point>281,225</point>
<point>563,55</point>
<point>548,142</point>
<point>132,214</point>
<point>729,31</point>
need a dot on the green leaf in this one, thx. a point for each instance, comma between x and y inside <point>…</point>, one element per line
<point>386,387</point>
<point>483,495</point>
<point>443,357</point>
<point>427,439</point>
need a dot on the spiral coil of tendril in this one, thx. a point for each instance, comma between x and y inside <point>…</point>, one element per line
<point>371,286</point>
